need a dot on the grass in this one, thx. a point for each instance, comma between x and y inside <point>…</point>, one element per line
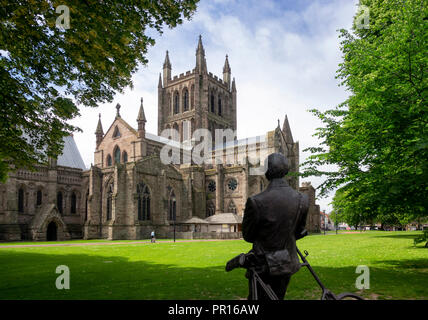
<point>195,270</point>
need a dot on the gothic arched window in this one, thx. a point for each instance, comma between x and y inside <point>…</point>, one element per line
<point>109,161</point>
<point>73,203</point>
<point>117,155</point>
<point>219,106</point>
<point>86,205</point>
<point>39,197</point>
<point>185,99</point>
<point>232,207</point>
<point>109,200</point>
<point>212,103</point>
<point>172,206</point>
<point>116,132</point>
<point>125,157</point>
<point>192,96</point>
<point>21,200</point>
<point>143,201</point>
<point>170,111</point>
<point>210,209</point>
<point>59,202</point>
<point>176,103</point>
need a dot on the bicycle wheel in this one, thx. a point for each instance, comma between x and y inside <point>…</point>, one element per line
<point>349,296</point>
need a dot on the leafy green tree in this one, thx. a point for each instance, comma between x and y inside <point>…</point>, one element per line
<point>377,140</point>
<point>55,55</point>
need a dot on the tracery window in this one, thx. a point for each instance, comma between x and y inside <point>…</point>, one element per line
<point>59,202</point>
<point>39,197</point>
<point>143,201</point>
<point>21,200</point>
<point>185,100</point>
<point>176,103</point>
<point>117,155</point>
<point>232,207</point>
<point>211,186</point>
<point>210,209</point>
<point>73,203</point>
<point>109,201</point>
<point>172,206</point>
<point>232,184</point>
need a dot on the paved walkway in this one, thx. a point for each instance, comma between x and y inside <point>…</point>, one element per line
<point>104,243</point>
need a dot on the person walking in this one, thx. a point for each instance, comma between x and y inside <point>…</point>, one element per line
<point>153,237</point>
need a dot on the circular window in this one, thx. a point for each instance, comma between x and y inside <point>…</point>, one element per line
<point>232,184</point>
<point>211,186</point>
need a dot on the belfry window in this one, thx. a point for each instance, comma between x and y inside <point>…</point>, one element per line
<point>185,100</point>
<point>212,103</point>
<point>176,103</point>
<point>143,201</point>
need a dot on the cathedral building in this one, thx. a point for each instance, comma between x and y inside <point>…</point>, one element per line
<point>130,190</point>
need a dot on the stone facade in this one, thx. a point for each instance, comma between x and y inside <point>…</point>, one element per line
<point>31,200</point>
<point>129,191</point>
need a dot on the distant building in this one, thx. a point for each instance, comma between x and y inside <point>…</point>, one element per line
<point>129,191</point>
<point>325,222</point>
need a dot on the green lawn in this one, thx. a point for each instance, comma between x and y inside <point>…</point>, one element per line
<point>195,270</point>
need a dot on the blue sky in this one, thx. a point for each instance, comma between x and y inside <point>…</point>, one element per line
<point>283,55</point>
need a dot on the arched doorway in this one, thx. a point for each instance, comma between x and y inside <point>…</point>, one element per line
<point>51,233</point>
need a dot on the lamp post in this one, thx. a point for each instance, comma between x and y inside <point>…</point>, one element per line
<point>325,222</point>
<point>336,220</point>
<point>174,229</point>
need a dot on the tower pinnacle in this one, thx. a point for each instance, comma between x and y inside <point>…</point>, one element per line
<point>226,72</point>
<point>201,64</point>
<point>99,133</point>
<point>167,63</point>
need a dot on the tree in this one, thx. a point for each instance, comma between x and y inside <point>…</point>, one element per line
<point>55,55</point>
<point>377,139</point>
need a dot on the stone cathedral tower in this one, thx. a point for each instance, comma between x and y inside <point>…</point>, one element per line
<point>196,99</point>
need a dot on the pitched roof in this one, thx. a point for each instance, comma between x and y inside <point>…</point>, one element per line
<point>70,156</point>
<point>224,218</point>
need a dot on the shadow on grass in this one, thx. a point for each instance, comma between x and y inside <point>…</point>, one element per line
<point>27,275</point>
<point>421,263</point>
<point>398,236</point>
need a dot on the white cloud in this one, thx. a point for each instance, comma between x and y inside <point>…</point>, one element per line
<point>284,63</point>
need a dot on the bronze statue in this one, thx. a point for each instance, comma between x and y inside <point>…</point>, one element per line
<point>273,220</point>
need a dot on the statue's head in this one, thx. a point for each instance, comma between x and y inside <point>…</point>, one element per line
<point>277,166</point>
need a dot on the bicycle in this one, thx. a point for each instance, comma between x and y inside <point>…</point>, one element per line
<point>246,260</point>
